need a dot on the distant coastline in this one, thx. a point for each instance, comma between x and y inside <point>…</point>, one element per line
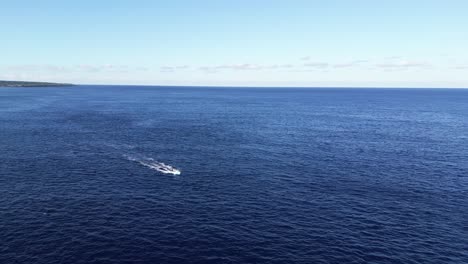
<point>32,84</point>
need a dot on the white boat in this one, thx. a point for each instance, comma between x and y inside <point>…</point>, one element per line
<point>155,165</point>
<point>161,167</point>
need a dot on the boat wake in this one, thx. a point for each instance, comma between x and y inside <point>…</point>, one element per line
<point>154,165</point>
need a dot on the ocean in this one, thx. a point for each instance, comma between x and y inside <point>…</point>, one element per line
<point>267,175</point>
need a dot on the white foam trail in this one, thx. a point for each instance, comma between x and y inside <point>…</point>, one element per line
<point>154,165</point>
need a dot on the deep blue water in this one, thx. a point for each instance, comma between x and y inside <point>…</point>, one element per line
<point>268,175</point>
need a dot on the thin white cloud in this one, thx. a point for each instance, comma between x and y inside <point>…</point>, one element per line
<point>349,64</point>
<point>173,68</point>
<point>102,68</point>
<point>237,67</point>
<point>393,58</point>
<point>244,67</point>
<point>344,65</point>
<point>83,68</point>
<point>166,69</point>
<point>461,67</point>
<point>310,66</point>
<point>35,68</point>
<point>317,65</point>
<point>142,68</point>
<point>402,65</point>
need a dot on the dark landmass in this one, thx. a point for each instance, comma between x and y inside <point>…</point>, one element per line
<point>31,84</point>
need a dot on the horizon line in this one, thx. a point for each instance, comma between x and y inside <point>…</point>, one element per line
<point>278,87</point>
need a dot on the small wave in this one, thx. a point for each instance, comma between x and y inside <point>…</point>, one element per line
<point>154,165</point>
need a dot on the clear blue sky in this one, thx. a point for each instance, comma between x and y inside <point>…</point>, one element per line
<point>394,43</point>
